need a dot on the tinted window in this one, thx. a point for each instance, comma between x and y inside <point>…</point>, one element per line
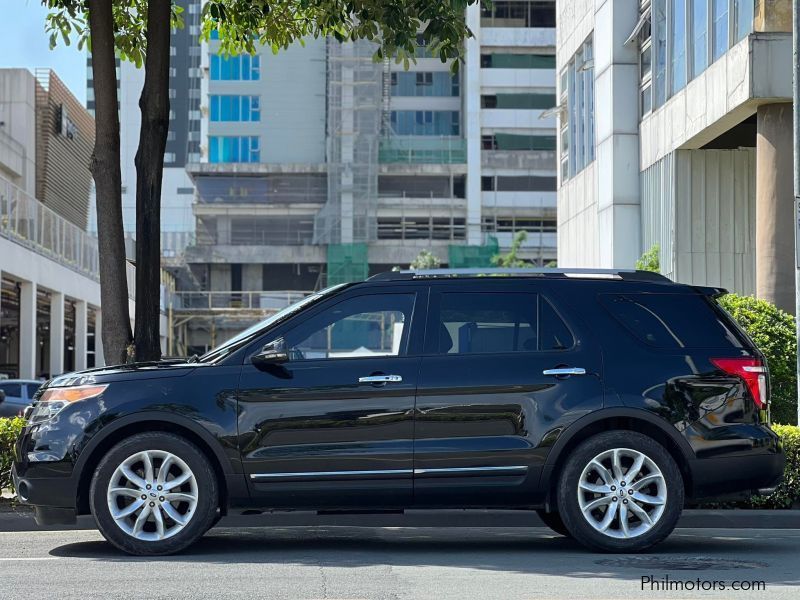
<point>471,323</point>
<point>363,326</point>
<point>32,389</point>
<point>671,320</point>
<point>12,390</point>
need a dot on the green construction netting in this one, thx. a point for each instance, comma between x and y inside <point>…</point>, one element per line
<point>347,262</point>
<point>467,257</point>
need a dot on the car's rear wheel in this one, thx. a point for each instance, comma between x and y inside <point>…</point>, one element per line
<point>620,491</point>
<point>553,521</point>
<point>154,493</point>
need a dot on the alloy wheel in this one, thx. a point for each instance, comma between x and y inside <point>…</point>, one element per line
<point>152,495</point>
<point>622,493</point>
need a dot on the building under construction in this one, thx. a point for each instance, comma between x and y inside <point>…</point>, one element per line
<point>321,165</point>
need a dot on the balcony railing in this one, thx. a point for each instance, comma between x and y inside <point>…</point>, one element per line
<point>227,300</point>
<point>30,223</point>
<point>423,150</point>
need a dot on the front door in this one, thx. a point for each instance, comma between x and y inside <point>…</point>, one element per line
<point>488,395</point>
<point>333,426</point>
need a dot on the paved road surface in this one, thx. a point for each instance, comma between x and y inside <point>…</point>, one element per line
<point>393,563</point>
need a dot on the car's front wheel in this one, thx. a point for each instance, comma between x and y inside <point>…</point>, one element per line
<point>154,493</point>
<point>620,491</point>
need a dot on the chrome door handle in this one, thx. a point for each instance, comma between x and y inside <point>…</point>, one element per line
<point>380,379</point>
<point>565,371</point>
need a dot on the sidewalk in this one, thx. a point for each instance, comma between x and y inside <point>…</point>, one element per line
<point>20,518</point>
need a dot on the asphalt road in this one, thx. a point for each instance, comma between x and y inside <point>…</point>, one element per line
<point>394,563</point>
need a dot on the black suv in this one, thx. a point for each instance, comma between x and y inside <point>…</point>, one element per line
<point>606,401</point>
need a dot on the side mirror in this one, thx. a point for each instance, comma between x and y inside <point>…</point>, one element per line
<point>274,353</point>
<point>2,396</point>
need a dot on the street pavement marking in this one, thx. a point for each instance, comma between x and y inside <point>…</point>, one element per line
<point>31,558</point>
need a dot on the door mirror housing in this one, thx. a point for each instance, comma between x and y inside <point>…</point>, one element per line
<point>274,353</point>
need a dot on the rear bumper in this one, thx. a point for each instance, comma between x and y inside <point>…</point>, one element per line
<point>737,476</point>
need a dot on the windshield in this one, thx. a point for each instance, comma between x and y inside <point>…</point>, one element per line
<point>254,331</point>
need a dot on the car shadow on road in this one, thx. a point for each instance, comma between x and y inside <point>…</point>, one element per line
<point>529,551</point>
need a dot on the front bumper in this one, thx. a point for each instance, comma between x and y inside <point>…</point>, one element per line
<point>52,498</point>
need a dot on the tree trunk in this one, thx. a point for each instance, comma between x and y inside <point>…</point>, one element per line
<point>154,105</point>
<point>105,168</point>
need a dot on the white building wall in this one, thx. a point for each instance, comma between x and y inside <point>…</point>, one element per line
<point>18,128</point>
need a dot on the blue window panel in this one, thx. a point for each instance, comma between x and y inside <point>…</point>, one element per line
<point>214,67</point>
<point>255,68</point>
<point>213,152</point>
<point>214,34</point>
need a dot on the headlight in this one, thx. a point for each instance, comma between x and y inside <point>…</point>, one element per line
<point>53,400</point>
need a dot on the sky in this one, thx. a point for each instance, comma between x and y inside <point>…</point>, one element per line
<point>23,43</point>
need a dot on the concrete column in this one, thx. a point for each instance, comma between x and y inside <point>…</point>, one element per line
<point>81,331</point>
<point>99,357</point>
<point>472,124</point>
<point>56,334</point>
<point>27,330</point>
<point>616,71</point>
<point>774,206</point>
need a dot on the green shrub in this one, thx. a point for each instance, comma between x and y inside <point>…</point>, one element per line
<point>788,493</point>
<point>650,260</point>
<point>9,430</point>
<point>773,331</point>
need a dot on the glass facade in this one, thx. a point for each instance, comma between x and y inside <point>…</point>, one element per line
<point>501,60</point>
<point>519,13</point>
<point>577,130</point>
<point>518,142</point>
<point>421,83</point>
<point>522,101</point>
<point>425,122</point>
<point>235,108</point>
<point>681,38</point>
<point>233,149</point>
<point>235,68</point>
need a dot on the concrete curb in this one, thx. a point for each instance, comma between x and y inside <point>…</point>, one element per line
<point>21,519</point>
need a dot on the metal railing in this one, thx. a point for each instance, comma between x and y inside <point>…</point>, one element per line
<point>30,223</point>
<point>220,300</point>
<point>422,150</point>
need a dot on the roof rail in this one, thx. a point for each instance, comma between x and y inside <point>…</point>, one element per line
<point>623,274</point>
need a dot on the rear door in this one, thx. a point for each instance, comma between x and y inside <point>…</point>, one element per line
<point>503,366</point>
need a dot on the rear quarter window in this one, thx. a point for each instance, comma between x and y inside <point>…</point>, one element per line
<point>671,321</point>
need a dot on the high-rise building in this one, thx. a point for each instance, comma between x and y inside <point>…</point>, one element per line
<point>183,139</point>
<point>676,131</point>
<point>319,165</point>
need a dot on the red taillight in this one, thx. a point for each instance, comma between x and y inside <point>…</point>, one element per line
<point>754,373</point>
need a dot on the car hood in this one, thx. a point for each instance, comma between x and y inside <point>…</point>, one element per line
<point>138,371</point>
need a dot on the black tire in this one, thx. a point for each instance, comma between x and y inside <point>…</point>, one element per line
<point>205,511</point>
<point>553,521</point>
<point>570,510</point>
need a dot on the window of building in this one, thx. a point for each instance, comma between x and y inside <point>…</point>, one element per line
<point>681,39</point>
<point>483,323</point>
<point>519,101</point>
<point>514,142</point>
<point>699,38</point>
<point>678,49</point>
<point>518,183</point>
<point>519,13</point>
<point>235,108</point>
<point>421,228</point>
<point>423,83</point>
<point>577,130</point>
<point>243,67</point>
<point>720,22</point>
<point>501,60</point>
<point>224,149</point>
<point>425,122</point>
<point>360,327</point>
<point>514,224</point>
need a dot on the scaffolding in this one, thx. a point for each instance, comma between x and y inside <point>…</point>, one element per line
<point>355,117</point>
